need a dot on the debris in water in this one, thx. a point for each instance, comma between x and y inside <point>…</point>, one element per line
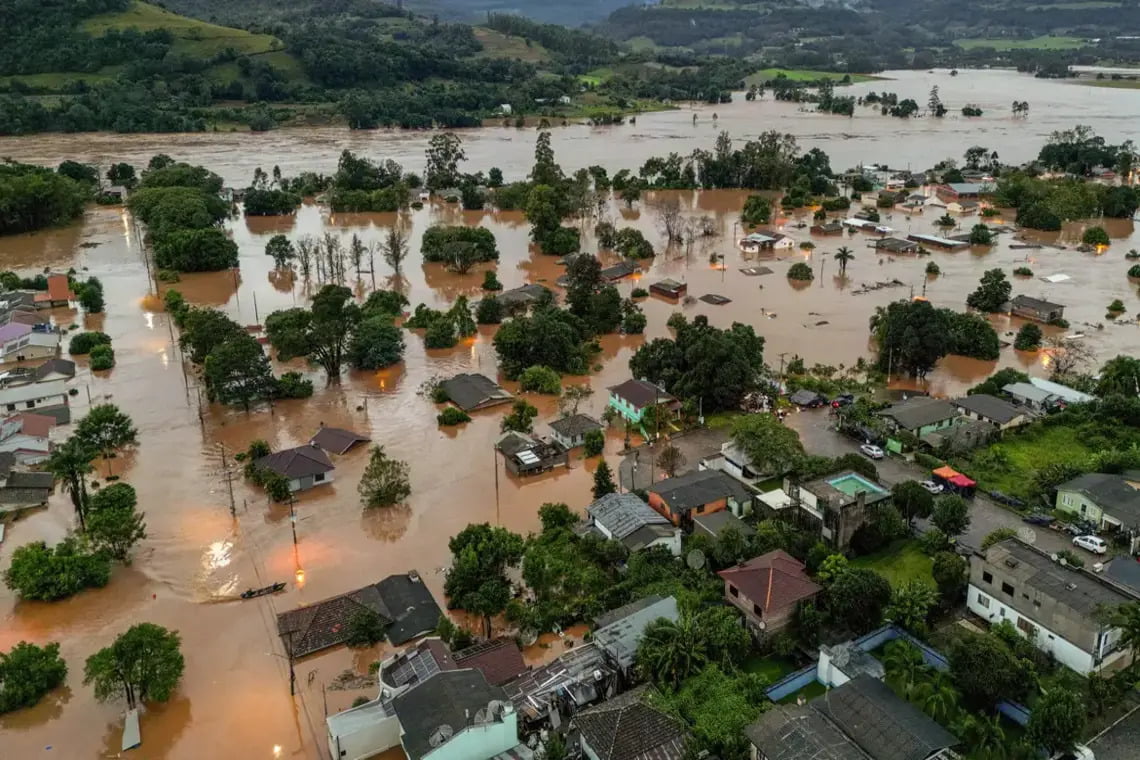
<point>715,299</point>
<point>755,271</point>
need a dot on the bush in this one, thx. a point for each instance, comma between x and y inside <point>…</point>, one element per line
<point>294,385</point>
<point>997,536</point>
<point>1023,272</point>
<point>364,629</point>
<point>27,673</point>
<point>452,416</point>
<point>1028,338</point>
<point>489,311</point>
<point>1116,307</point>
<point>540,380</point>
<point>491,281</point>
<point>102,357</point>
<point>85,341</point>
<point>926,460</point>
<point>634,322</point>
<point>932,268</point>
<point>643,293</point>
<point>1095,236</point>
<point>800,272</point>
<point>595,443</point>
<point>46,574</point>
<point>1134,270</point>
<point>440,334</point>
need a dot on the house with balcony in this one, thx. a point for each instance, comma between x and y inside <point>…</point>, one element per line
<point>1056,606</point>
<point>768,589</point>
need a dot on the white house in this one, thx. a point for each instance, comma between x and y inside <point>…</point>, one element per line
<point>19,342</point>
<point>760,241</point>
<point>303,466</point>
<point>48,394</point>
<point>26,436</point>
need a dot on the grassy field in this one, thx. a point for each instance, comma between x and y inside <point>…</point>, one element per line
<point>1008,465</point>
<point>900,562</point>
<point>193,37</point>
<point>1116,84</point>
<point>1037,43</point>
<point>805,75</point>
<point>499,45</point>
<point>809,692</point>
<point>772,668</point>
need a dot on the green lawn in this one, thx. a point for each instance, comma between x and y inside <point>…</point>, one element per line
<point>193,37</point>
<point>806,75</point>
<point>1008,465</point>
<point>901,561</point>
<point>1037,43</point>
<point>498,45</point>
<point>772,668</point>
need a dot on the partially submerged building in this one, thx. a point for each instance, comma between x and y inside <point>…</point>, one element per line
<point>337,440</point>
<point>304,467</point>
<point>633,397</point>
<point>525,454</point>
<point>1037,309</point>
<point>471,391</point>
<point>570,432</point>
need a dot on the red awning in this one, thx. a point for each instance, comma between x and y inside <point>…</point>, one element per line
<point>961,481</point>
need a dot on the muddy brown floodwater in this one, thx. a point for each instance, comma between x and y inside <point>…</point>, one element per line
<point>234,699</point>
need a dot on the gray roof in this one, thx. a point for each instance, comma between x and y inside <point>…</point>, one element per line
<point>686,492</point>
<point>1027,391</point>
<point>410,606</point>
<point>991,407</point>
<point>575,425</point>
<point>64,367</point>
<point>297,462</point>
<point>897,244</point>
<point>623,513</point>
<point>919,411</point>
<point>473,391</point>
<point>883,725</point>
<point>522,296</point>
<point>715,522</point>
<point>968,187</point>
<point>626,728</point>
<point>612,616</point>
<point>641,393</point>
<point>620,638</point>
<point>1125,571</point>
<point>803,397</point>
<point>1109,492</point>
<point>43,480</point>
<point>1076,589</point>
<point>1038,304</point>
<point>449,699</point>
<point>800,732</point>
<point>337,440</point>
<point>647,534</point>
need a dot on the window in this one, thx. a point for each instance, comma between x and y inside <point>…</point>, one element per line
<point>1026,627</point>
<point>734,590</point>
<point>757,611</point>
<point>984,601</point>
<point>700,509</point>
<point>319,477</point>
<point>30,404</point>
<point>1007,589</point>
<point>1084,508</point>
<point>11,407</point>
<point>987,576</point>
<point>1036,602</point>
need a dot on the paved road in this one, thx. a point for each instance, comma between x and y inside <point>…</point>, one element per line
<point>819,437</point>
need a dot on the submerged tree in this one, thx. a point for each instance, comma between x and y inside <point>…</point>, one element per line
<point>71,463</point>
<point>144,665</point>
<point>319,334</point>
<point>385,480</point>
<point>106,429</point>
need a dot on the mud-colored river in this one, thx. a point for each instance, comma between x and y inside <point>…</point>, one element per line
<point>234,699</point>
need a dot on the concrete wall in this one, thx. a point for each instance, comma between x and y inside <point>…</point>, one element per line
<point>367,740</point>
<point>672,543</point>
<point>480,742</point>
<point>304,484</point>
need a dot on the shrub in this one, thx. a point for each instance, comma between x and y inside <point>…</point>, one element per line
<point>540,380</point>
<point>595,443</point>
<point>1023,272</point>
<point>1132,254</point>
<point>452,416</point>
<point>1071,558</point>
<point>46,574</point>
<point>294,385</point>
<point>364,629</point>
<point>1095,236</point>
<point>491,281</point>
<point>1134,270</point>
<point>932,268</point>
<point>1116,307</point>
<point>634,322</point>
<point>489,311</point>
<point>102,357</point>
<point>168,275</point>
<point>85,341</point>
<point>1028,338</point>
<point>800,272</point>
<point>643,293</point>
<point>440,334</point>
<point>926,460</point>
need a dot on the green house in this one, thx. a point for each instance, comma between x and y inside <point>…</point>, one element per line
<point>631,398</point>
<point>918,415</point>
<point>1110,501</point>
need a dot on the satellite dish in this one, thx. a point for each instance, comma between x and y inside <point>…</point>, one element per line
<point>529,637</point>
<point>1027,534</point>
<point>441,735</point>
<point>695,559</point>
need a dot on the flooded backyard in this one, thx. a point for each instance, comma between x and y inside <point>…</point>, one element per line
<point>234,697</point>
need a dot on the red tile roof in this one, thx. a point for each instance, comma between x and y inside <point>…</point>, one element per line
<point>499,659</point>
<point>59,289</point>
<point>775,580</point>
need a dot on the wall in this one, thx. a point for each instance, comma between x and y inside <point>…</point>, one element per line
<point>625,409</point>
<point>369,739</point>
<point>1079,504</point>
<point>480,742</point>
<point>774,620</point>
<point>672,543</point>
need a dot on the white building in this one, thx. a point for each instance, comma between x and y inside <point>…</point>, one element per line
<point>26,436</point>
<point>48,394</point>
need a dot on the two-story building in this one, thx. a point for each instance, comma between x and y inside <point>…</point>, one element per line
<point>837,504</point>
<point>768,589</point>
<point>1054,605</point>
<point>632,398</point>
<point>918,416</point>
<point>1037,309</point>
<point>570,432</point>
<point>22,342</point>
<point>700,492</point>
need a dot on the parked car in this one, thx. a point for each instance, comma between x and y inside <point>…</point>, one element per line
<point>1094,544</point>
<point>1005,498</point>
<point>1079,752</point>
<point>933,487</point>
<point>1038,518</point>
<point>874,452</point>
<point>846,399</point>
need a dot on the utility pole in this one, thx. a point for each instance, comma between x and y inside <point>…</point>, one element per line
<point>293,520</point>
<point>230,486</point>
<point>495,465</point>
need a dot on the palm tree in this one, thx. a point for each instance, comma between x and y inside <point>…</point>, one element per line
<point>843,255</point>
<point>904,667</point>
<point>71,462</point>
<point>939,698</point>
<point>983,735</point>
<point>670,652</point>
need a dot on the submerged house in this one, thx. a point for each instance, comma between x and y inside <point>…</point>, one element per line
<point>761,241</point>
<point>1037,309</point>
<point>570,432</point>
<point>526,454</point>
<point>472,391</point>
<point>58,293</point>
<point>669,288</point>
<point>303,466</point>
<point>337,440</point>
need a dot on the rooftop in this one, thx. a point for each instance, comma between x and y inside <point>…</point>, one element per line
<point>686,492</point>
<point>627,728</point>
<point>444,705</point>
<point>714,523</point>
<point>620,638</point>
<point>991,407</point>
<point>1064,392</point>
<point>474,391</point>
<point>844,488</point>
<point>575,425</point>
<point>337,440</point>
<point>500,660</point>
<point>578,674</point>
<point>524,295</point>
<point>641,393</point>
<point>623,513</point>
<point>1076,589</point>
<point>775,580</point>
<point>800,732</point>
<point>919,411</point>
<point>1038,304</point>
<point>298,462</point>
<point>417,664</point>
<point>1112,493</point>
<point>1028,392</point>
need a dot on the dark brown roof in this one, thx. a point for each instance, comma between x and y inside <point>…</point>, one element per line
<point>499,659</point>
<point>337,440</point>
<point>626,728</point>
<point>298,462</point>
<point>474,391</point>
<point>575,425</point>
<point>641,393</point>
<point>699,487</point>
<point>775,580</point>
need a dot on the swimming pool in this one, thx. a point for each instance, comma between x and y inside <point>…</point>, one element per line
<point>853,484</point>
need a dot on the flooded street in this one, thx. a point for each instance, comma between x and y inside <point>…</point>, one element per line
<point>233,700</point>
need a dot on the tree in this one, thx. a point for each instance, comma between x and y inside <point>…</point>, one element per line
<point>203,330</point>
<point>985,671</point>
<point>71,463</point>
<point>144,665</point>
<point>939,698</point>
<point>911,337</point>
<point>1119,375</point>
<point>445,151</point>
<point>934,103</point>
<point>594,443</point>
<point>114,526</point>
<point>122,174</point>
<point>40,573</point>
<point>980,234</point>
<point>375,343</point>
<point>1126,617</point>
<point>670,652</point>
<point>489,311</point>
<point>91,296</point>
<point>800,272</point>
<point>950,575</point>
<point>395,248</point>
<point>364,629</point>
<point>843,256</point>
<point>540,380</point>
<point>27,673</point>
<point>912,499</point>
<point>1095,236</point>
<point>603,480</point>
<point>951,515</point>
<point>521,418</point>
<point>282,251</point>
<point>858,597</point>
<point>319,334</point>
<point>195,250</point>
<point>771,447</point>
<point>477,581</point>
<point>238,372</point>
<point>1028,338</point>
<point>385,480</point>
<point>904,667</point>
<point>106,429</point>
<point>1057,720</point>
<point>993,291</point>
<point>911,604</point>
<point>670,459</point>
<point>546,171</point>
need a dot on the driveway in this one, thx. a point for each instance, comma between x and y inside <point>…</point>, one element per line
<point>817,432</point>
<point>638,469</point>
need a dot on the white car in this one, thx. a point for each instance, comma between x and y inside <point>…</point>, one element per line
<point>1079,752</point>
<point>872,451</point>
<point>933,487</point>
<point>1094,544</point>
